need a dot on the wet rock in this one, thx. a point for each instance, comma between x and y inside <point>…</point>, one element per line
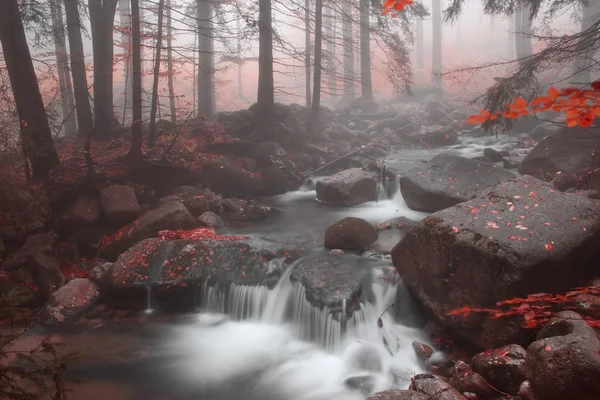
<point>470,396</point>
<point>174,270</point>
<point>119,204</point>
<point>350,234</point>
<point>304,162</point>
<point>8,234</point>
<point>470,381</point>
<point>434,388</point>
<point>448,180</point>
<point>569,150</point>
<point>69,302</point>
<point>364,383</point>
<point>329,280</point>
<point>492,155</point>
<point>232,205</point>
<point>197,204</point>
<point>474,254</point>
<point>36,213</point>
<point>365,358</point>
<point>87,241</point>
<point>347,188</point>
<point>98,271</point>
<point>85,210</point>
<point>268,154</point>
<point>230,181</point>
<point>250,164</point>
<point>250,213</point>
<point>46,272</point>
<point>399,395</point>
<point>510,163</point>
<point>183,189</point>
<point>274,182</point>
<point>210,220</point>
<point>564,361</point>
<point>168,216</point>
<point>503,368</point>
<point>34,244</point>
<point>544,130</point>
<point>566,181</point>
<point>422,351</point>
<point>526,391</point>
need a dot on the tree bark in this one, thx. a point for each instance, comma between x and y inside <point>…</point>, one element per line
<point>135,152</point>
<point>35,130</point>
<point>266,87</point>
<point>519,31</point>
<point>157,60</point>
<point>170,84</point>
<point>307,46</point>
<point>205,58</point>
<point>102,15</point>
<point>62,62</point>
<point>527,48</point>
<point>240,88</point>
<point>511,42</point>
<point>349,89</point>
<point>436,57</point>
<point>316,101</point>
<point>125,20</point>
<point>329,35</point>
<point>366,84</point>
<point>80,85</point>
<point>419,43</point>
<point>583,64</point>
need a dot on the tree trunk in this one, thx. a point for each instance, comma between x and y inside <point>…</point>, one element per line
<point>125,20</point>
<point>436,57</point>
<point>102,15</point>
<point>419,43</point>
<point>240,88</point>
<point>526,29</point>
<point>307,46</point>
<point>329,34</point>
<point>349,89</point>
<point>35,130</point>
<point>194,75</point>
<point>135,153</point>
<point>511,42</point>
<point>205,58</point>
<point>62,62</point>
<point>170,84</point>
<point>155,76</point>
<point>265,100</point>
<point>583,64</point>
<point>518,31</point>
<point>366,84</point>
<point>316,101</point>
<point>80,84</point>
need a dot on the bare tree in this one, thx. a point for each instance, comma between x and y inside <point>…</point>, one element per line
<point>125,20</point>
<point>307,49</point>
<point>366,85</point>
<point>436,57</point>
<point>316,102</point>
<point>419,43</point>
<point>205,58</point>
<point>155,76</point>
<point>135,152</point>
<point>590,13</point>
<point>329,26</point>
<point>265,101</point>
<point>35,130</point>
<point>170,72</point>
<point>349,89</point>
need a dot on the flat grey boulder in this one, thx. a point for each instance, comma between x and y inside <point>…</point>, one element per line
<point>347,188</point>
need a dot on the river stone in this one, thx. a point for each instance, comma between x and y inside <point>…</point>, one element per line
<point>347,188</point>
<point>69,302</point>
<point>517,238</point>
<point>175,269</point>
<point>119,204</point>
<point>171,215</point>
<point>503,368</point>
<point>399,395</point>
<point>434,388</point>
<point>350,234</point>
<point>569,150</point>
<point>197,203</point>
<point>448,180</point>
<point>564,361</point>
<point>329,280</point>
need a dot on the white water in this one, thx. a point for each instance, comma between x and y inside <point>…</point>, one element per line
<point>263,346</point>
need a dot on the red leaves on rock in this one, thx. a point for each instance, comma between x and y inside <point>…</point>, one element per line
<point>548,246</point>
<point>198,234</point>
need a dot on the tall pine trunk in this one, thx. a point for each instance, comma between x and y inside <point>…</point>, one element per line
<point>307,46</point>
<point>349,89</point>
<point>205,58</point>
<point>366,84</point>
<point>135,153</point>
<point>265,100</point>
<point>125,20</point>
<point>527,47</point>
<point>329,35</point>
<point>80,84</point>
<point>436,57</point>
<point>511,51</point>
<point>170,72</point>
<point>102,15</point>
<point>584,63</point>
<point>35,130</point>
<point>316,101</point>
<point>240,88</point>
<point>419,43</point>
<point>62,67</point>
<point>156,75</point>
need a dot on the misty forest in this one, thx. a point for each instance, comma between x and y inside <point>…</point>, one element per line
<point>300,199</point>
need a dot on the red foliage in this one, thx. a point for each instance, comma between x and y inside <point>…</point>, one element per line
<point>198,234</point>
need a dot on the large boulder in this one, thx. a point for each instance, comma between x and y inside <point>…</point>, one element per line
<point>448,180</point>
<point>119,204</point>
<point>434,388</point>
<point>350,234</point>
<point>569,150</point>
<point>517,238</point>
<point>83,211</point>
<point>197,203</point>
<point>503,368</point>
<point>69,302</point>
<point>230,181</point>
<point>347,188</point>
<point>564,361</point>
<point>544,130</point>
<point>399,395</point>
<point>168,216</point>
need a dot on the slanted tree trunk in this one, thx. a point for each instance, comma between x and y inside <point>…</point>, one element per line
<point>419,43</point>
<point>62,64</point>
<point>265,100</point>
<point>436,57</point>
<point>35,130</point>
<point>316,101</point>
<point>102,15</point>
<point>329,35</point>
<point>349,89</point>
<point>155,76</point>
<point>366,85</point>
<point>125,20</point>
<point>307,46</point>
<point>583,64</point>
<point>135,152</point>
<point>205,58</point>
<point>80,84</point>
<point>170,72</point>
